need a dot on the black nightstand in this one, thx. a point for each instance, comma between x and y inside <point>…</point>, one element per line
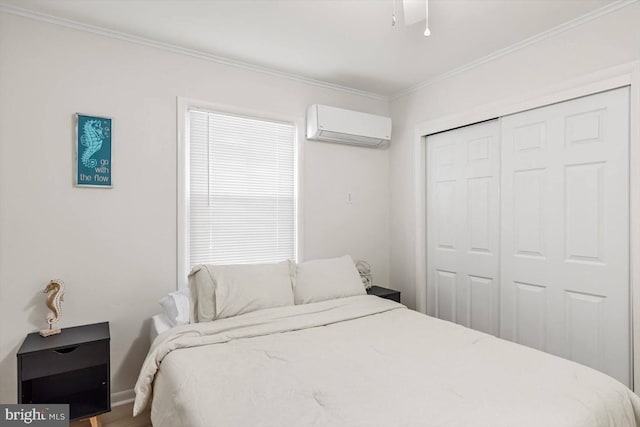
<point>381,292</point>
<point>71,367</point>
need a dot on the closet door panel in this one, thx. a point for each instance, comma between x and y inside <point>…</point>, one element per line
<point>565,230</point>
<point>463,226</point>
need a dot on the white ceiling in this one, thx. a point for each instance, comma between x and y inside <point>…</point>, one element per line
<point>348,43</point>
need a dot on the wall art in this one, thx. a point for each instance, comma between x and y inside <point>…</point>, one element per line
<point>93,151</point>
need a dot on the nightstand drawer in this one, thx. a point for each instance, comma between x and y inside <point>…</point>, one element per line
<point>56,361</point>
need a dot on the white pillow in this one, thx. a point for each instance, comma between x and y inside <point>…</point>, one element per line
<point>244,288</point>
<point>176,307</point>
<point>325,279</point>
<point>202,287</point>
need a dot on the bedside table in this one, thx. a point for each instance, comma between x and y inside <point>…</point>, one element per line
<point>381,292</point>
<point>71,367</point>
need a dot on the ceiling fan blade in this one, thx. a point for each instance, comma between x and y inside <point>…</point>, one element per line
<point>414,11</point>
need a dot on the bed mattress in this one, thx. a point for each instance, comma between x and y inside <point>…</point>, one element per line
<point>366,361</point>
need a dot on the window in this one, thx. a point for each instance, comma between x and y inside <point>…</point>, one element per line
<point>240,190</point>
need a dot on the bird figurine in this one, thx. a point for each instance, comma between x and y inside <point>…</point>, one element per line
<point>55,291</point>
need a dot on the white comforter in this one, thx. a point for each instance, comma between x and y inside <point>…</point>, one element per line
<point>365,361</point>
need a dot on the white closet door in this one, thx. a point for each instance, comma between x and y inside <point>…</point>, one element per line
<point>463,226</point>
<point>565,230</point>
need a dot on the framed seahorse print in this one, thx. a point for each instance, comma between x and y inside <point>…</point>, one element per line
<point>93,151</point>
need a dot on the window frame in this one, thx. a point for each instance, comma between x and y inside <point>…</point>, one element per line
<point>183,184</point>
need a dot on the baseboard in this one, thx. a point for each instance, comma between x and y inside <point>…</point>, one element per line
<point>122,397</point>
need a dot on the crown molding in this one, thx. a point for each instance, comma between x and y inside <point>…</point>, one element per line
<point>182,50</point>
<point>594,14</point>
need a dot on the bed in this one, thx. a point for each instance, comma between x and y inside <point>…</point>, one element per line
<point>365,361</point>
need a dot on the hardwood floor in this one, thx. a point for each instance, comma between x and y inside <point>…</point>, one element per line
<point>120,416</point>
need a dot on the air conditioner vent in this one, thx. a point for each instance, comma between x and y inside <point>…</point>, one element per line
<point>331,124</point>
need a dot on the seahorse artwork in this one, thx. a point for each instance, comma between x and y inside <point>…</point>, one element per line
<point>91,139</point>
<point>55,291</point>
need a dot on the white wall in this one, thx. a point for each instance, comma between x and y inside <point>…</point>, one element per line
<point>608,41</point>
<point>116,249</point>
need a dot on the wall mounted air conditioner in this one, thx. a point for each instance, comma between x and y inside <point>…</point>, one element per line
<point>333,124</point>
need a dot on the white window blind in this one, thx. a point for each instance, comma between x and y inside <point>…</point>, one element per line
<point>242,201</point>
